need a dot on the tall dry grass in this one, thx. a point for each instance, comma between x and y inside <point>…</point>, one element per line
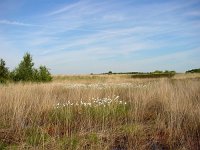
<point>163,115</point>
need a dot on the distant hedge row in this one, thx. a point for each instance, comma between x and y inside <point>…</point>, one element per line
<point>25,71</point>
<point>157,73</point>
<point>153,75</point>
<point>193,71</point>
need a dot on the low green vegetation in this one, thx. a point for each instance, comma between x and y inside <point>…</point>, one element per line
<point>4,73</point>
<point>25,71</point>
<point>138,73</point>
<point>155,74</point>
<point>3,145</point>
<point>193,71</point>
<point>35,136</point>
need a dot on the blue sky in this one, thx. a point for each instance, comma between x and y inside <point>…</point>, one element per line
<point>94,36</point>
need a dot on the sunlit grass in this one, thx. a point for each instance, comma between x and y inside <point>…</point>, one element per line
<point>164,113</point>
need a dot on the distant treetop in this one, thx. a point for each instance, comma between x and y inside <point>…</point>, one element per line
<point>193,71</point>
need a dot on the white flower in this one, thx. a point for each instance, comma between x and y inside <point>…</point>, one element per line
<point>116,97</point>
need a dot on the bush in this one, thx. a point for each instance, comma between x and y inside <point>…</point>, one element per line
<point>4,73</point>
<point>109,72</point>
<point>26,71</point>
<point>43,74</point>
<point>158,72</point>
<point>193,71</point>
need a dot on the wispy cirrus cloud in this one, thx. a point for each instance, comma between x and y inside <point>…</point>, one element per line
<point>66,8</point>
<point>107,33</point>
<point>17,23</point>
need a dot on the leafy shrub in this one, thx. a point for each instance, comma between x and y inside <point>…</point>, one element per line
<point>44,74</point>
<point>109,72</point>
<point>4,73</point>
<point>193,71</point>
<point>26,71</point>
<point>158,72</point>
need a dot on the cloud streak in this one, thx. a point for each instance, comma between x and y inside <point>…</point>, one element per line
<point>8,22</point>
<point>106,33</point>
<point>65,8</point>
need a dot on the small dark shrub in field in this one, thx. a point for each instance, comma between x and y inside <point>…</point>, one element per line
<point>193,71</point>
<point>43,74</point>
<point>4,73</point>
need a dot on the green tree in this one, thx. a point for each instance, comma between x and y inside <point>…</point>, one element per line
<point>25,70</point>
<point>193,71</point>
<point>173,72</point>
<point>109,72</point>
<point>158,72</point>
<point>4,73</point>
<point>167,71</point>
<point>43,74</point>
<point>170,72</point>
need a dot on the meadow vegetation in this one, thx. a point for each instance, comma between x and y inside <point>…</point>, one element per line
<point>111,112</point>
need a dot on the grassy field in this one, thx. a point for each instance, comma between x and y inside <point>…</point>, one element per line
<point>111,112</point>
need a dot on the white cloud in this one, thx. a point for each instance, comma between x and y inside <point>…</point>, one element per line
<point>8,22</point>
<point>66,8</point>
<point>102,31</point>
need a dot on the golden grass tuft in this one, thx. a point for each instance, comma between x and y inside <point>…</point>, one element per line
<point>163,115</point>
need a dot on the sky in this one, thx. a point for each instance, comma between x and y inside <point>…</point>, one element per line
<point>95,36</point>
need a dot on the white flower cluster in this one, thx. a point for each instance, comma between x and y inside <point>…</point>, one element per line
<point>94,102</point>
<point>108,85</point>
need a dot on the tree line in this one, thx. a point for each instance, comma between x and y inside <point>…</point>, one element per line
<point>193,71</point>
<point>139,73</point>
<point>24,72</point>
